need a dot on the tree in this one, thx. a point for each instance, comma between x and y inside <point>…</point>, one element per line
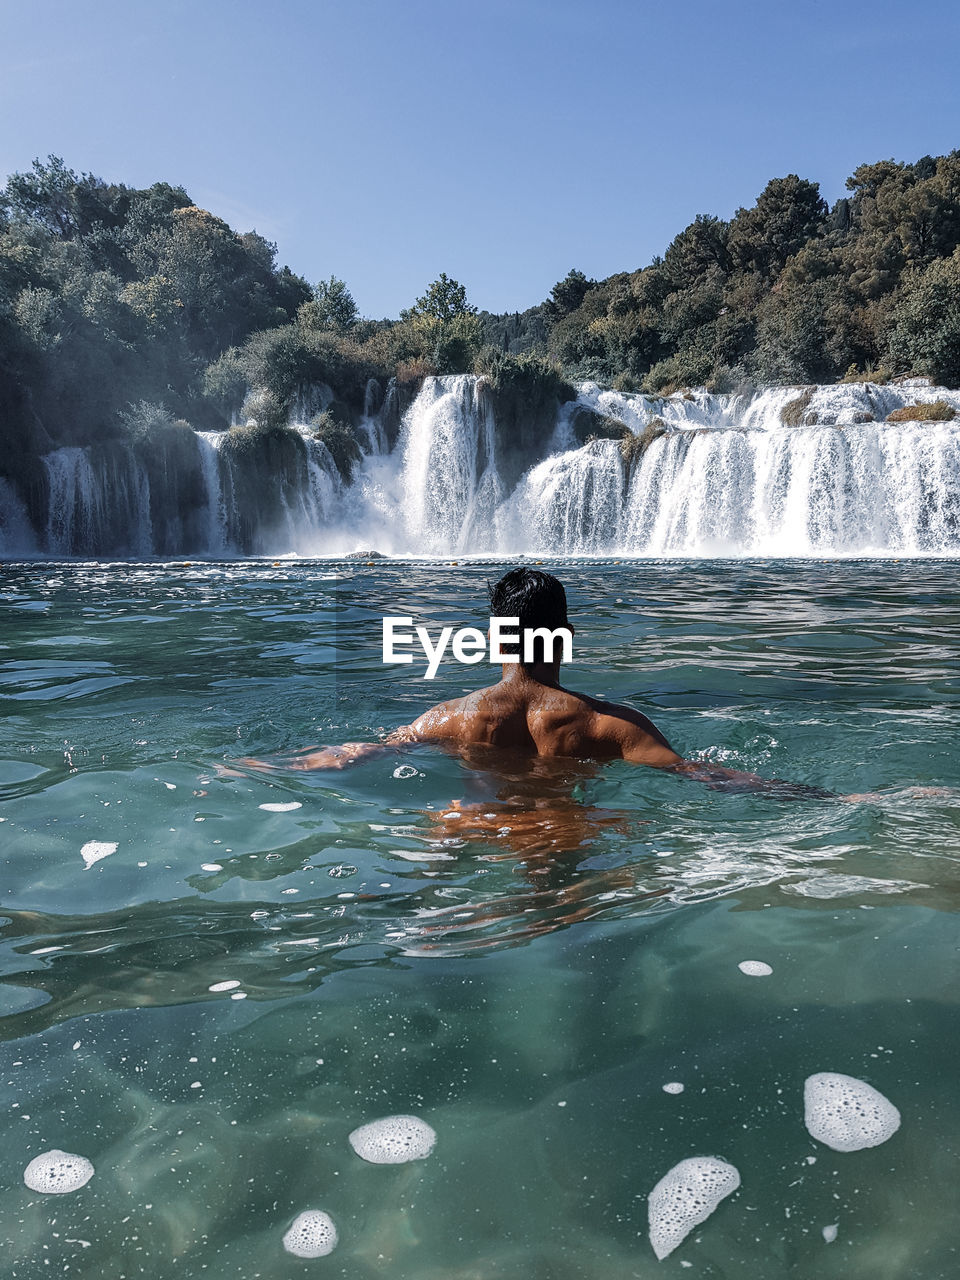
<point>331,307</point>
<point>567,295</point>
<point>787,213</point>
<point>925,337</point>
<point>444,300</point>
<point>700,249</point>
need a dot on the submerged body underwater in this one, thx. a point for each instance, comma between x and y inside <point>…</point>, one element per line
<point>576,975</point>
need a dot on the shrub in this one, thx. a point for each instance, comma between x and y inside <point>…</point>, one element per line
<point>415,370</point>
<point>146,418</point>
<point>685,369</point>
<point>265,408</point>
<point>331,429</point>
<point>938,411</point>
<point>794,412</point>
<point>530,378</point>
<point>291,360</point>
<point>224,382</point>
<point>633,447</point>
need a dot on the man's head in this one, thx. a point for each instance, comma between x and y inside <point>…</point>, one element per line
<point>536,598</point>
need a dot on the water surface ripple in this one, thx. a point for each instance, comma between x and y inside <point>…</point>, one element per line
<point>204,996</point>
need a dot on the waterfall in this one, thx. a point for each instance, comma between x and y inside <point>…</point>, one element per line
<point>449,481</point>
<point>216,541</point>
<point>570,504</point>
<point>787,471</point>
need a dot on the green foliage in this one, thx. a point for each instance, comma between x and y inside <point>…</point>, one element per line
<point>787,291</point>
<point>331,307</point>
<point>444,301</point>
<point>441,329</point>
<point>531,378</point>
<point>788,213</point>
<point>685,369</point>
<point>224,382</point>
<point>146,419</point>
<point>264,409</point>
<point>925,332</point>
<point>110,296</point>
<point>291,360</point>
<point>938,411</point>
<point>567,295</point>
<point>335,432</point>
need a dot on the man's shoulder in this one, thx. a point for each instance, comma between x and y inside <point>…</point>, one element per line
<point>633,732</point>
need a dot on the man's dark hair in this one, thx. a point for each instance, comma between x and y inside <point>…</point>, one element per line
<point>537,599</point>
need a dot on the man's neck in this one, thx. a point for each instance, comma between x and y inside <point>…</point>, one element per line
<point>548,673</point>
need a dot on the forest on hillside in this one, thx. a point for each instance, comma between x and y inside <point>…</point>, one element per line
<point>128,311</point>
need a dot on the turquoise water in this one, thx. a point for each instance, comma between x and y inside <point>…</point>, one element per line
<point>528,993</point>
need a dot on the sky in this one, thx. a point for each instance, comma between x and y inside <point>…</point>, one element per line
<point>501,141</point>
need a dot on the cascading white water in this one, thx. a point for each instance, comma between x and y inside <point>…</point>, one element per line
<point>449,480</point>
<point>727,477</point>
<point>209,443</point>
<point>97,502</point>
<point>864,489</point>
<point>568,505</point>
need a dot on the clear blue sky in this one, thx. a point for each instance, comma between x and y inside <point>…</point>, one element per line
<point>501,141</point>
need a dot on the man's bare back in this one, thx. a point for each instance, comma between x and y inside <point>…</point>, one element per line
<point>527,713</point>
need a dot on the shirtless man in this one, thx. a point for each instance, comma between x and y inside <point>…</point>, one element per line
<point>530,712</point>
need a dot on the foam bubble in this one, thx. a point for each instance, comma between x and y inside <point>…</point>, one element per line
<point>847,1114</point>
<point>57,1172</point>
<point>685,1197</point>
<point>755,968</point>
<point>673,1087</point>
<point>94,850</point>
<point>312,1234</point>
<point>405,771</point>
<point>838,886</point>
<point>830,1233</point>
<point>230,985</point>
<point>210,866</point>
<point>282,808</point>
<point>393,1140</point>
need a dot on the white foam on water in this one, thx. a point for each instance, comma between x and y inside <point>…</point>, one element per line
<point>313,1234</point>
<point>230,985</point>
<point>405,771</point>
<point>94,850</point>
<point>282,808</point>
<point>673,1087</point>
<point>685,1197</point>
<point>393,1140</point>
<point>830,1233</point>
<point>210,866</point>
<point>755,968</point>
<point>57,1172</point>
<point>842,886</point>
<point>847,1114</point>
